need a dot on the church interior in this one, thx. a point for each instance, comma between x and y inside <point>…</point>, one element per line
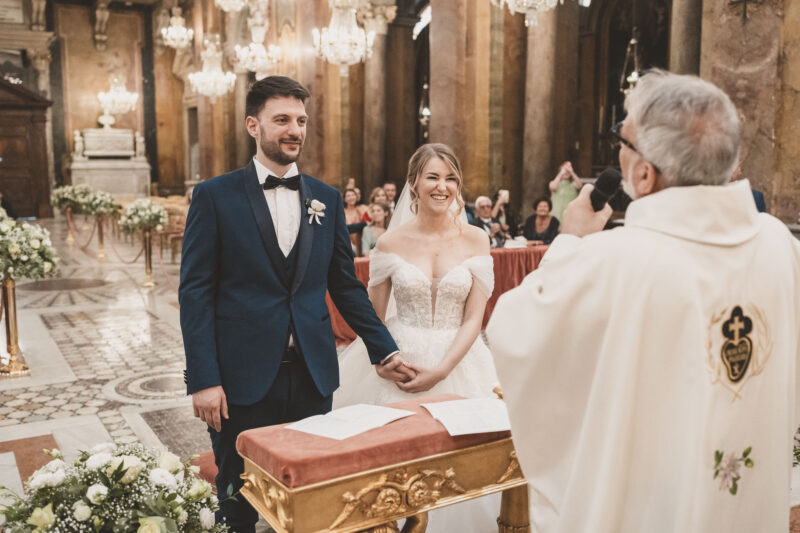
<point>144,99</point>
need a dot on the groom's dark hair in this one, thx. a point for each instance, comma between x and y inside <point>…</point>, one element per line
<point>272,87</point>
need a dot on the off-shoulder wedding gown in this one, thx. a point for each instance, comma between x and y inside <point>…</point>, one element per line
<point>428,315</point>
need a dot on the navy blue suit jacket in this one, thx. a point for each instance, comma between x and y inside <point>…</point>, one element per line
<point>237,303</point>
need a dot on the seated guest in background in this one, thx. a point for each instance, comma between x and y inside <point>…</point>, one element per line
<point>541,226</point>
<point>352,215</point>
<point>378,195</point>
<point>502,212</point>
<point>391,193</point>
<point>564,188</point>
<point>497,237</point>
<point>660,356</point>
<point>483,214</point>
<point>379,213</point>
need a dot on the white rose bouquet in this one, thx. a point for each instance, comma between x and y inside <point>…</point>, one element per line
<point>76,197</point>
<point>26,251</point>
<point>101,203</point>
<point>143,214</point>
<point>126,489</point>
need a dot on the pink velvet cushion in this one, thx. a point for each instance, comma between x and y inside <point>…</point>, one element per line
<point>298,459</point>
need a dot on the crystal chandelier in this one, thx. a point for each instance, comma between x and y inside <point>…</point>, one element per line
<point>343,42</point>
<point>230,6</point>
<point>255,57</point>
<point>116,101</point>
<point>176,35</point>
<point>531,8</point>
<point>212,81</point>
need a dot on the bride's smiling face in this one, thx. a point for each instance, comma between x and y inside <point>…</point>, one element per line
<point>437,186</point>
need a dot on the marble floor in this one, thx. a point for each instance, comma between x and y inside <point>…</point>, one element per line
<point>106,359</point>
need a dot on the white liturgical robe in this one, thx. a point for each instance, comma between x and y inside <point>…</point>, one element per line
<point>651,371</point>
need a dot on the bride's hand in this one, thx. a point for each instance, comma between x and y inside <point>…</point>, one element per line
<point>425,380</point>
<point>395,370</point>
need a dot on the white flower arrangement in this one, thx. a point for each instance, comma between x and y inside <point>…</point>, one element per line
<point>135,490</point>
<point>143,214</point>
<point>77,197</point>
<point>101,203</point>
<point>26,251</point>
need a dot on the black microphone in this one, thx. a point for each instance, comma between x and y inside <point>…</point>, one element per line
<point>607,191</point>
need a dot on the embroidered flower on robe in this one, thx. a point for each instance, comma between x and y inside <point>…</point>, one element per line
<point>727,466</point>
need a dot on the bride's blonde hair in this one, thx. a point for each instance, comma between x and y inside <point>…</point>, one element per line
<point>417,163</point>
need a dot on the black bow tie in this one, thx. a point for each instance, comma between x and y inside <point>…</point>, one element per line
<point>290,183</point>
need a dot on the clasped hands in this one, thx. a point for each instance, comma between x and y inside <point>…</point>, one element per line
<point>409,377</point>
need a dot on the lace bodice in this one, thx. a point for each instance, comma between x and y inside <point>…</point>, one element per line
<point>422,302</point>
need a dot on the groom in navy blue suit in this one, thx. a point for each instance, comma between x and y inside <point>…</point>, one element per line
<point>262,245</point>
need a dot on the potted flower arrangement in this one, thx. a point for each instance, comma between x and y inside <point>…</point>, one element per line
<point>72,200</point>
<point>26,251</point>
<point>101,204</point>
<point>144,215</point>
<point>110,489</point>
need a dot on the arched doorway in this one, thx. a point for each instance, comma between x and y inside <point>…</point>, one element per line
<point>606,30</point>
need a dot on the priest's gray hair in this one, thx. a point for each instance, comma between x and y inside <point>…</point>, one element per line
<point>685,126</point>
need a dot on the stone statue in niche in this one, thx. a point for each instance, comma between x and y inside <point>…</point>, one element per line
<point>100,20</point>
<point>140,146</point>
<point>77,151</point>
<point>37,14</point>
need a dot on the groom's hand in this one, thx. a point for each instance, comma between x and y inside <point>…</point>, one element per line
<point>395,370</point>
<point>209,405</point>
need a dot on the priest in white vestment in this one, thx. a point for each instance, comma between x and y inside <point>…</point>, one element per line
<point>651,371</point>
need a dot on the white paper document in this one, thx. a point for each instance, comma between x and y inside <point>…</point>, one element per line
<point>346,422</point>
<point>465,417</point>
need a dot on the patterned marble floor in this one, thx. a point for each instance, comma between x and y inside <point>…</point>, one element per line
<point>106,358</point>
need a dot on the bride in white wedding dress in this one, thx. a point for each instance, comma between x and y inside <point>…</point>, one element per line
<point>437,272</point>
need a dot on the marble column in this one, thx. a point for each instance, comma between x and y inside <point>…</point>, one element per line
<point>375,18</point>
<point>537,151</point>
<point>402,114</point>
<point>685,27</point>
<point>41,62</point>
<point>754,61</point>
<point>459,85</point>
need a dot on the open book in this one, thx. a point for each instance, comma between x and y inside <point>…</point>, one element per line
<point>475,415</point>
<point>346,422</point>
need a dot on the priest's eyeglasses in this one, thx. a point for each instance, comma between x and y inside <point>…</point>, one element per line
<point>617,139</point>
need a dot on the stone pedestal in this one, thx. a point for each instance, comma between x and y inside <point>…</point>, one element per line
<point>124,178</point>
<point>111,160</point>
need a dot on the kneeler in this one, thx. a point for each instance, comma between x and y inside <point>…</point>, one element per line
<point>303,483</point>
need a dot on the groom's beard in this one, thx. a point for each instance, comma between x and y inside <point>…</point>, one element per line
<point>274,153</point>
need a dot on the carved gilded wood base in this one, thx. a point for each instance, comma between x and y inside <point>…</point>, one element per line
<point>374,500</point>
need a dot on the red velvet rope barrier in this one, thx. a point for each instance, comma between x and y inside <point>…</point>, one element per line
<point>171,284</point>
<point>114,248</point>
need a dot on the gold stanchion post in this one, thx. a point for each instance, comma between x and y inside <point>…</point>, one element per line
<point>101,252</point>
<point>70,236</point>
<point>148,259</point>
<point>16,366</point>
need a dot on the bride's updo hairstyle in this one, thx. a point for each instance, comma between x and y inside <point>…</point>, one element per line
<point>417,163</point>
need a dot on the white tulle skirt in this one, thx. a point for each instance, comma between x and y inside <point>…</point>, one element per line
<point>473,377</point>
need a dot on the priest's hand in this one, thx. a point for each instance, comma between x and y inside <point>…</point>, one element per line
<point>210,405</point>
<point>581,219</point>
<point>395,369</point>
<point>425,379</point>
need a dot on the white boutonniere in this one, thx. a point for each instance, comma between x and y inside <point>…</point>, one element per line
<point>316,210</point>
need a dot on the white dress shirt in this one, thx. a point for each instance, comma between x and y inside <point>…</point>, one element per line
<point>284,207</point>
